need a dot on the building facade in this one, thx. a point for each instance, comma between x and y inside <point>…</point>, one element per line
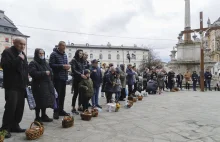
<point>8,32</point>
<point>110,54</point>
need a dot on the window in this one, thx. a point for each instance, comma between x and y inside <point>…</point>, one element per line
<point>6,39</point>
<point>69,49</point>
<point>6,29</point>
<point>100,56</point>
<point>117,51</point>
<point>109,56</point>
<point>133,56</point>
<point>118,56</point>
<point>91,56</point>
<point>70,55</point>
<point>217,58</point>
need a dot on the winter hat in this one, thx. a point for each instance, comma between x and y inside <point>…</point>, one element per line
<point>86,72</point>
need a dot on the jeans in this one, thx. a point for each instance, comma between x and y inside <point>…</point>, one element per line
<point>60,87</point>
<point>130,90</point>
<point>208,84</point>
<point>123,94</point>
<point>194,85</point>
<point>95,97</point>
<point>14,108</point>
<point>179,84</point>
<point>117,96</point>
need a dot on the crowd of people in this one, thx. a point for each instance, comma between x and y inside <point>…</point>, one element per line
<point>88,78</point>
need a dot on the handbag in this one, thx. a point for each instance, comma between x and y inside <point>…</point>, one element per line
<point>30,98</point>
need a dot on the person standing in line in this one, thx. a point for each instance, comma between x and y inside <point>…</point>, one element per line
<point>103,70</point>
<point>110,83</point>
<point>195,78</point>
<point>123,82</point>
<point>146,78</point>
<point>160,81</point>
<point>118,86</point>
<point>96,77</point>
<point>130,79</point>
<point>59,64</point>
<point>171,76</point>
<point>15,79</point>
<point>42,85</point>
<point>77,68</point>
<point>136,78</point>
<point>208,78</point>
<point>85,60</point>
<point>179,80</point>
<point>187,77</point>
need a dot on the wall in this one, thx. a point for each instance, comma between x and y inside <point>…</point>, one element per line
<point>140,54</point>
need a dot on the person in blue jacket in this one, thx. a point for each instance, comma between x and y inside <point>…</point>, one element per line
<point>208,78</point>
<point>195,79</point>
<point>96,76</point>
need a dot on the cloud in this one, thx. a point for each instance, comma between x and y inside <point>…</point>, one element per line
<point>152,19</point>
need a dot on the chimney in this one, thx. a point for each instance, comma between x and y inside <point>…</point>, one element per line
<point>1,14</point>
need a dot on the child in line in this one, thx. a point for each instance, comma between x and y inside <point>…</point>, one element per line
<point>118,87</point>
<point>86,87</point>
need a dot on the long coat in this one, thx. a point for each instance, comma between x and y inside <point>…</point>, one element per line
<point>130,76</point>
<point>110,82</point>
<point>123,79</point>
<point>42,86</point>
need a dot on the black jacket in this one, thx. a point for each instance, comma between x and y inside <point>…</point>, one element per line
<point>195,77</point>
<point>179,78</point>
<point>42,86</point>
<point>57,60</point>
<point>77,68</point>
<point>15,70</point>
<point>96,76</point>
<point>171,75</point>
<point>146,76</point>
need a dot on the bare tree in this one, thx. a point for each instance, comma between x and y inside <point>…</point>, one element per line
<point>153,61</point>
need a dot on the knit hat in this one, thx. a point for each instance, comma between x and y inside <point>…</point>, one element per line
<point>86,71</point>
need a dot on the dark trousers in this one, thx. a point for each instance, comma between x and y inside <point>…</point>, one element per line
<point>117,96</point>
<point>85,102</point>
<point>60,87</point>
<point>135,88</point>
<point>75,94</point>
<point>187,85</point>
<point>123,94</point>
<point>130,90</point>
<point>208,84</point>
<point>194,85</point>
<point>14,108</point>
<point>179,84</point>
<point>108,97</point>
<point>166,84</point>
<point>72,88</point>
<point>170,84</point>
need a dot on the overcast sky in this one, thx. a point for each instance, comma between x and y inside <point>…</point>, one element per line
<point>150,19</point>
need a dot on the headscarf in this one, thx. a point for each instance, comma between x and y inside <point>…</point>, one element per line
<point>37,58</point>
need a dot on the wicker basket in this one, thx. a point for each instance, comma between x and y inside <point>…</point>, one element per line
<point>176,89</point>
<point>67,121</point>
<point>130,98</point>
<point>134,100</point>
<point>95,113</point>
<point>34,132</point>
<point>130,104</point>
<point>86,115</point>
<point>140,98</point>
<point>2,138</point>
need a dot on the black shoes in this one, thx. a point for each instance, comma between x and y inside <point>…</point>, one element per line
<point>98,106</point>
<point>7,135</point>
<point>63,113</point>
<point>18,130</point>
<point>46,119</point>
<point>74,111</point>
<point>55,115</point>
<point>80,109</point>
<point>38,120</point>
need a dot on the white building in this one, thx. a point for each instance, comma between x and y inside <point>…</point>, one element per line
<point>110,54</point>
<point>8,32</point>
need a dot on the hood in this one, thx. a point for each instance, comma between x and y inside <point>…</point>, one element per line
<point>36,56</point>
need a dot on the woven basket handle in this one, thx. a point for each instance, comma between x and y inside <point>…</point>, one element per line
<point>35,122</point>
<point>86,110</point>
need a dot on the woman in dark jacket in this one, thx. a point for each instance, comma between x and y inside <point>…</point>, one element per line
<point>77,68</point>
<point>42,85</point>
<point>110,84</point>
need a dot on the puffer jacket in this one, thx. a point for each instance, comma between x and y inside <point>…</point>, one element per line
<point>77,68</point>
<point>86,87</point>
<point>57,60</point>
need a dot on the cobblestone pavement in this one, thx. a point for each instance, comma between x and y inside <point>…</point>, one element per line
<point>184,116</point>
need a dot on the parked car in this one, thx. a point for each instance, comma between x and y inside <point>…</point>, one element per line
<point>69,81</point>
<point>1,78</point>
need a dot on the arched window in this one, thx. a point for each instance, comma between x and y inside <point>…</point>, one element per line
<point>118,56</point>
<point>109,56</point>
<point>91,56</point>
<point>100,56</point>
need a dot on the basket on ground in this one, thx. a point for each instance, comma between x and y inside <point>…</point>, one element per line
<point>95,112</point>
<point>134,99</point>
<point>86,115</point>
<point>140,98</point>
<point>130,104</point>
<point>67,121</point>
<point>118,106</point>
<point>34,132</point>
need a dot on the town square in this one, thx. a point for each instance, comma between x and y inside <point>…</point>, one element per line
<point>109,71</point>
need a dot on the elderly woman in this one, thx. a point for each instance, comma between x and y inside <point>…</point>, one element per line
<point>110,84</point>
<point>42,85</point>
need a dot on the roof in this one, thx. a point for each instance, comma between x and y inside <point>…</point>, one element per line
<point>106,46</point>
<point>216,23</point>
<point>8,27</point>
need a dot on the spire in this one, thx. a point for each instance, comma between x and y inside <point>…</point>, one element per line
<point>209,22</point>
<point>187,14</point>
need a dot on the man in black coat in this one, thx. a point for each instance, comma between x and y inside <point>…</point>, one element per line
<point>171,82</point>
<point>195,78</point>
<point>179,80</point>
<point>59,64</point>
<point>15,73</point>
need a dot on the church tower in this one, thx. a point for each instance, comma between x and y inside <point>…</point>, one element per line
<point>187,36</point>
